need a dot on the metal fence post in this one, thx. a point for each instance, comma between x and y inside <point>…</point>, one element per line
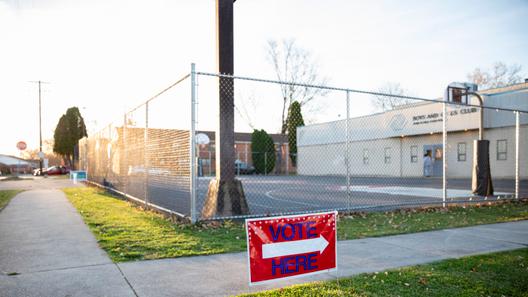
<point>246,153</point>
<point>193,145</point>
<point>287,153</point>
<point>517,132</point>
<point>146,155</point>
<point>265,163</point>
<point>210,166</point>
<point>125,154</point>
<point>444,154</point>
<point>347,157</point>
<point>237,164</point>
<point>109,149</point>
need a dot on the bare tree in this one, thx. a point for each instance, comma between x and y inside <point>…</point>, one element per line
<point>295,64</point>
<point>500,75</point>
<point>246,108</point>
<point>388,102</point>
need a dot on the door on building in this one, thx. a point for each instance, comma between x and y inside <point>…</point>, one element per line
<point>436,153</point>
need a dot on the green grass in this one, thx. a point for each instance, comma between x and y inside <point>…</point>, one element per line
<point>412,220</point>
<point>6,196</point>
<point>129,233</point>
<point>499,274</point>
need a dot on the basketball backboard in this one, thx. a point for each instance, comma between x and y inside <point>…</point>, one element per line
<point>457,92</point>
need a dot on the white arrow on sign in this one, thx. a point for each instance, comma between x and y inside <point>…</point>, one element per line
<point>279,249</point>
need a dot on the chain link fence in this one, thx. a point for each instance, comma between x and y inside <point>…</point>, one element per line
<point>347,155</point>
<point>304,148</point>
<point>145,154</point>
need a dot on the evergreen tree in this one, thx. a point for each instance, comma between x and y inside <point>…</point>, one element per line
<point>69,130</point>
<point>262,151</point>
<point>295,119</point>
<point>60,137</point>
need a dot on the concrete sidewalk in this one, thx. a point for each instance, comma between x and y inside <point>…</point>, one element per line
<point>227,274</point>
<point>29,182</point>
<point>47,250</point>
<point>45,242</point>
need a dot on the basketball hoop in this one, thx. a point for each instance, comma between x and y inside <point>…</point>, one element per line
<point>457,92</point>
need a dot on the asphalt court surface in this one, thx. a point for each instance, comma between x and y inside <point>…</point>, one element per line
<point>282,194</point>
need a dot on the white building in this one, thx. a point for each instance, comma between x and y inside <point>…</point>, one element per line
<point>393,143</point>
<point>10,164</point>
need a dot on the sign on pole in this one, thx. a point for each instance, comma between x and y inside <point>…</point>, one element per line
<point>21,145</point>
<point>289,246</point>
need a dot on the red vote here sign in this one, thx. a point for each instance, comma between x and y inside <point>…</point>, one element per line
<point>280,247</point>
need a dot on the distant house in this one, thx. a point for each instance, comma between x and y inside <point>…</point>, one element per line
<point>11,164</point>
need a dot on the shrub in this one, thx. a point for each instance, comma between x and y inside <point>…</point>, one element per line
<point>262,151</point>
<point>295,119</point>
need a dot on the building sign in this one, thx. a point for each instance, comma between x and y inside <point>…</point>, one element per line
<point>403,121</point>
<point>438,116</point>
<point>281,247</point>
<point>398,122</point>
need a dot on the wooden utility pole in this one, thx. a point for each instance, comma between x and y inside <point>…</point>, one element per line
<point>40,121</point>
<point>40,127</point>
<point>225,196</point>
<point>225,138</point>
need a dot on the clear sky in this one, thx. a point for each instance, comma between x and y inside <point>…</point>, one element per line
<point>108,56</point>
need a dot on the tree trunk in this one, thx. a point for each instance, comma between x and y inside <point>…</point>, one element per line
<point>284,119</point>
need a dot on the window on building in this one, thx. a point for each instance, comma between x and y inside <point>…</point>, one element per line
<point>502,149</point>
<point>414,153</point>
<point>461,152</point>
<point>365,156</point>
<point>388,155</point>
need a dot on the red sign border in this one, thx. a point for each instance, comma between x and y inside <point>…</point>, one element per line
<point>335,213</point>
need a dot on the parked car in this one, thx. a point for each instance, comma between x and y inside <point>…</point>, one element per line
<point>53,170</point>
<point>243,168</point>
